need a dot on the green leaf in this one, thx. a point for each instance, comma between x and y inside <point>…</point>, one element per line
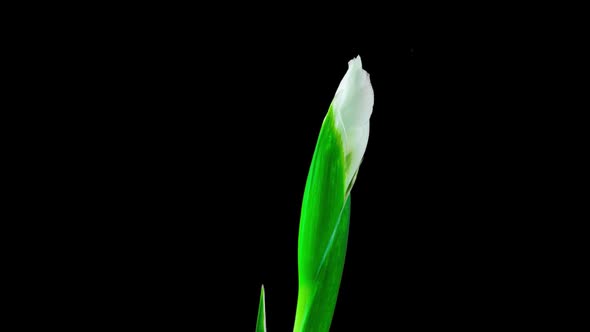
<point>323,232</point>
<point>261,322</point>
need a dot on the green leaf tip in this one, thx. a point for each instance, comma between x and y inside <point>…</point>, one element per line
<point>261,321</point>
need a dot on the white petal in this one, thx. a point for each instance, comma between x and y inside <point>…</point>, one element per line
<point>353,106</point>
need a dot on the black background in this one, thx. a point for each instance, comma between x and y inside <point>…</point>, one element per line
<point>200,139</point>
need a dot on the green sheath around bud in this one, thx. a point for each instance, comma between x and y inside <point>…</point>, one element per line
<point>325,212</point>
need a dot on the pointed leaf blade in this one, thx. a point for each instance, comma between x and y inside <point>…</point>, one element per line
<point>261,321</point>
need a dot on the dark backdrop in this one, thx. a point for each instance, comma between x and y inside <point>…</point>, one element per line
<point>202,140</point>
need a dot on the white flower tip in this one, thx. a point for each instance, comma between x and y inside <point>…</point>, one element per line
<point>355,62</point>
<point>354,97</point>
<point>353,106</point>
